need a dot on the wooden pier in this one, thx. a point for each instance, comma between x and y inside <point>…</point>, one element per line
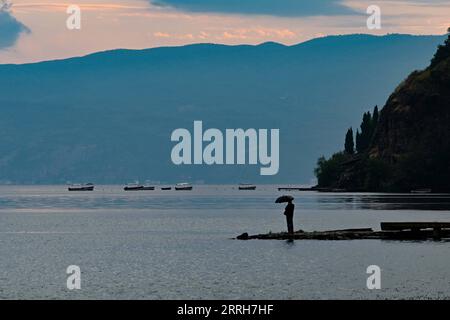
<point>389,231</point>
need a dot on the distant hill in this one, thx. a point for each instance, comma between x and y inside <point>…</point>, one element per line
<point>410,148</point>
<point>107,117</point>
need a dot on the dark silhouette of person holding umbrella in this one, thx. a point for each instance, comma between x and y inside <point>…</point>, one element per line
<point>288,211</point>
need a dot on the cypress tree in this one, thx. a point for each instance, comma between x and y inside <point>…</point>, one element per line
<point>349,146</point>
<point>358,141</point>
<point>373,125</point>
<point>375,117</point>
<point>367,127</point>
<point>366,132</point>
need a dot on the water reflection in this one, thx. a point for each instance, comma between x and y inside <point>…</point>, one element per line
<point>218,197</point>
<point>289,243</point>
<point>387,201</point>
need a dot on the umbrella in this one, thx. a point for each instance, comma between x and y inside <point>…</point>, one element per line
<point>284,199</point>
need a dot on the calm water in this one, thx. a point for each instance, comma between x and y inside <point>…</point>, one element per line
<point>176,245</point>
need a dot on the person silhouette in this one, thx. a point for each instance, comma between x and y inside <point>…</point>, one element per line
<point>289,213</point>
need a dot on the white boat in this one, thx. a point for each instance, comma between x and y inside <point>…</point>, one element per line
<point>247,186</point>
<point>183,186</point>
<point>135,186</point>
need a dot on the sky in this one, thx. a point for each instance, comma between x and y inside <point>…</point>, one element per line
<point>36,30</point>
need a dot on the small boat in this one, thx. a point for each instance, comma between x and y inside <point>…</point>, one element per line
<point>166,188</point>
<point>183,186</point>
<point>295,189</point>
<point>247,186</point>
<point>81,187</point>
<point>133,187</point>
<point>147,186</point>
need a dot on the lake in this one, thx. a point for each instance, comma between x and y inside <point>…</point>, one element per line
<point>177,245</point>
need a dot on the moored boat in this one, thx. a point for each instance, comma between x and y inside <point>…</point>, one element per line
<point>247,186</point>
<point>148,186</point>
<point>183,186</point>
<point>81,187</point>
<point>135,186</point>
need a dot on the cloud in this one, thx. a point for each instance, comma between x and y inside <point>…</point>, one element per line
<point>54,6</point>
<point>257,33</point>
<point>253,33</point>
<point>283,8</point>
<point>10,28</point>
<point>174,36</point>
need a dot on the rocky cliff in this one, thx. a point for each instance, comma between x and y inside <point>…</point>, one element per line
<point>411,145</point>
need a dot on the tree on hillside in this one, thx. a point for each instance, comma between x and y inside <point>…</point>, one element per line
<point>365,135</point>
<point>375,117</point>
<point>442,52</point>
<point>358,140</point>
<point>328,171</point>
<point>368,125</point>
<point>349,146</point>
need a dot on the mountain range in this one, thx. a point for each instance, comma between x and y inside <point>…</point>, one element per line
<point>107,117</point>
